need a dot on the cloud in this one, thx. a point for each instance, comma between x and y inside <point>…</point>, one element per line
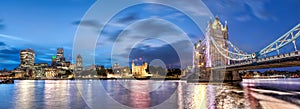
<point>89,23</point>
<point>155,29</point>
<point>110,28</point>
<point>111,35</point>
<point>7,50</point>
<point>44,59</point>
<point>2,44</point>
<point>9,62</point>
<point>5,56</point>
<point>149,28</point>
<point>243,18</point>
<point>166,53</point>
<point>189,6</point>
<point>175,15</point>
<point>194,37</point>
<point>1,25</point>
<point>9,57</point>
<point>242,9</point>
<point>146,30</point>
<point>128,18</point>
<point>152,27</point>
<point>156,9</point>
<point>258,9</point>
<point>12,37</point>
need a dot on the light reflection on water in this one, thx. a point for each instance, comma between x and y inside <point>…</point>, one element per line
<point>49,94</point>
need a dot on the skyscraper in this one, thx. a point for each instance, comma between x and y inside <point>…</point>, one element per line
<point>27,58</point>
<point>60,59</point>
<point>79,65</point>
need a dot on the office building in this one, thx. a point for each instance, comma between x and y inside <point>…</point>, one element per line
<point>27,58</point>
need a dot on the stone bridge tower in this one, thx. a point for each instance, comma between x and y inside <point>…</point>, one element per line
<point>219,33</point>
<point>209,55</point>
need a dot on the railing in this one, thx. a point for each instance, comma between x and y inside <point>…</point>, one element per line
<point>266,59</point>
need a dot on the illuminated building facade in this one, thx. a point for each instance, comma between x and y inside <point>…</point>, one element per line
<point>139,70</point>
<point>27,58</point>
<point>40,69</point>
<point>199,55</point>
<point>121,70</point>
<point>51,72</point>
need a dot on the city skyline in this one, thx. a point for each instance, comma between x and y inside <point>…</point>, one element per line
<point>252,26</point>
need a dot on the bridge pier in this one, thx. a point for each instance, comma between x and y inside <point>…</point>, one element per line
<point>236,76</point>
<point>220,75</point>
<point>217,75</point>
<point>232,76</point>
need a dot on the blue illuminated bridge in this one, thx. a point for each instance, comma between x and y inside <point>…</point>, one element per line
<point>240,58</point>
<point>282,52</point>
<point>283,60</point>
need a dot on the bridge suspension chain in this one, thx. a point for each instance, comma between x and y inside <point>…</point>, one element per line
<point>238,52</point>
<point>231,55</point>
<point>235,48</point>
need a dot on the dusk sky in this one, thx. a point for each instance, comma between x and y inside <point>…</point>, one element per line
<point>45,25</point>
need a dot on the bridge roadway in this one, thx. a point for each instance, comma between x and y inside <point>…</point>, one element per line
<point>283,60</point>
<point>231,72</point>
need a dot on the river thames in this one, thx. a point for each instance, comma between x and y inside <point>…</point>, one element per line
<point>114,94</point>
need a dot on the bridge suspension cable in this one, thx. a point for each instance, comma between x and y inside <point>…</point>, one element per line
<point>238,55</point>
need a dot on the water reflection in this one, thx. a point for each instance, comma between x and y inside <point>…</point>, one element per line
<point>107,94</point>
<point>198,97</point>
<point>272,93</point>
<point>25,95</point>
<point>249,98</point>
<point>139,94</point>
<point>31,94</point>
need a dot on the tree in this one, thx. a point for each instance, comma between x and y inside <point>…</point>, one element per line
<point>101,71</point>
<point>161,71</point>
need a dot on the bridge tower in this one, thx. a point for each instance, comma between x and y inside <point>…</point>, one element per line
<point>209,61</point>
<point>219,33</point>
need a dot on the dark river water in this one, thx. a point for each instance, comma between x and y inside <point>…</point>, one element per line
<point>126,94</point>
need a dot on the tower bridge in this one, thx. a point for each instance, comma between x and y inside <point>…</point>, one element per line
<point>217,58</point>
<point>283,60</point>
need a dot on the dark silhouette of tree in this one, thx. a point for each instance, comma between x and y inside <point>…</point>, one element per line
<point>101,71</point>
